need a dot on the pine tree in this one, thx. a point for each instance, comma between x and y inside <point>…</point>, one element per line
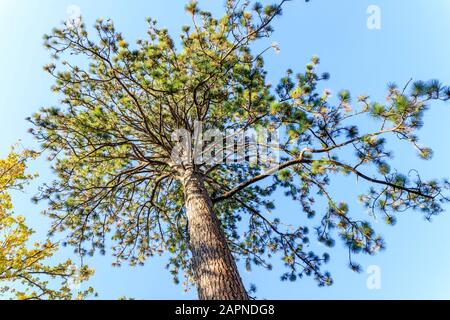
<point>112,142</point>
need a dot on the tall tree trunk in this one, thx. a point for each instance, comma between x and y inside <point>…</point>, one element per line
<point>215,271</point>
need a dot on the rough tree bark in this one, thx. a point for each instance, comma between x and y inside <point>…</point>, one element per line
<point>215,271</point>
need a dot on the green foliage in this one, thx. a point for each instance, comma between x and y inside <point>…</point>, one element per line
<point>110,143</point>
<point>24,269</point>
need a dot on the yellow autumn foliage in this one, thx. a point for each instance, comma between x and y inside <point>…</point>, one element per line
<point>23,272</point>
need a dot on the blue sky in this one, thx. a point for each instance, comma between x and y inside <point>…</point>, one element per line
<point>412,43</point>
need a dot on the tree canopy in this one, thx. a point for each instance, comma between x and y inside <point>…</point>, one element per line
<point>24,273</point>
<point>111,143</point>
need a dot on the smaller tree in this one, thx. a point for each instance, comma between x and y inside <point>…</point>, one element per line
<point>19,262</point>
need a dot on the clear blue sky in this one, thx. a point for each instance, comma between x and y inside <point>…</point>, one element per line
<point>412,43</point>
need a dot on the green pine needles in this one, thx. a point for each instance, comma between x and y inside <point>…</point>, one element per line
<point>110,142</point>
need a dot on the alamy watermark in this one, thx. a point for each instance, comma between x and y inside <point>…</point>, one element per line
<point>374,279</point>
<point>255,146</point>
<point>73,20</point>
<point>374,19</point>
<point>74,281</point>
